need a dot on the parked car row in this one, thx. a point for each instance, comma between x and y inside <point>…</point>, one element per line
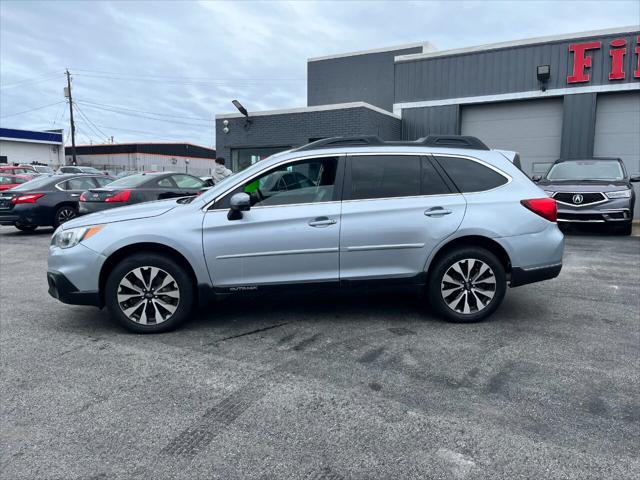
<point>54,199</point>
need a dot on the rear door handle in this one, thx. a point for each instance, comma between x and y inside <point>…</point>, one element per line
<point>322,222</point>
<point>75,194</point>
<point>437,212</point>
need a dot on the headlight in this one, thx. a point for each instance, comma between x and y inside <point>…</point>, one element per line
<point>73,236</point>
<point>619,194</point>
<point>549,193</point>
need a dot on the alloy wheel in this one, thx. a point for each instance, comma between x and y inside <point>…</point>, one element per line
<point>65,215</point>
<point>468,286</point>
<point>148,295</point>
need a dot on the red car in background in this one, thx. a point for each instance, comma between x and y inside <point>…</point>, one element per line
<point>16,170</point>
<point>8,181</point>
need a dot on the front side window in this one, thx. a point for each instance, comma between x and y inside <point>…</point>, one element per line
<point>305,181</point>
<point>187,181</point>
<point>384,176</point>
<point>83,183</point>
<point>471,176</point>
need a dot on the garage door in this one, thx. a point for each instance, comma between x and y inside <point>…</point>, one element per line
<point>533,128</point>
<point>618,132</point>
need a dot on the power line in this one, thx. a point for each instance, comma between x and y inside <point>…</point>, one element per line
<point>29,81</point>
<point>92,125</point>
<point>177,78</point>
<point>32,109</point>
<point>131,114</point>
<point>115,107</point>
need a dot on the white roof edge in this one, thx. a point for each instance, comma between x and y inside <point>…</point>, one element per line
<point>316,108</point>
<point>517,43</point>
<point>426,47</point>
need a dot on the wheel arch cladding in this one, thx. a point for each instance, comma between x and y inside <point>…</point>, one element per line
<point>474,241</point>
<point>146,247</point>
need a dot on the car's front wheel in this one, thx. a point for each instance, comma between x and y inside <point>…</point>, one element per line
<point>149,293</point>
<point>467,285</point>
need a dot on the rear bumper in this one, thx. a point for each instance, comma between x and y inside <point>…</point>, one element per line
<point>61,288</point>
<point>523,276</point>
<point>26,214</point>
<point>86,208</point>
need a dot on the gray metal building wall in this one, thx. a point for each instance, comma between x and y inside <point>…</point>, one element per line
<point>504,70</point>
<point>419,122</point>
<point>578,125</point>
<point>294,129</point>
<point>356,78</point>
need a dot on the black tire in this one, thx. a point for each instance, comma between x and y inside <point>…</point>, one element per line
<point>64,214</point>
<point>443,265</point>
<point>26,228</point>
<point>168,320</point>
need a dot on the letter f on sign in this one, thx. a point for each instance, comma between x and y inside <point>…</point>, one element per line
<point>581,61</point>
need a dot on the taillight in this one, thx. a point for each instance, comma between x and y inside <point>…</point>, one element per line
<point>30,198</point>
<point>83,198</point>
<point>119,197</point>
<point>545,207</point>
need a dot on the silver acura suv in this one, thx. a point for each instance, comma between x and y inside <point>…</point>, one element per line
<point>444,212</point>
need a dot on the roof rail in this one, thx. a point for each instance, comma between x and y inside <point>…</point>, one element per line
<point>447,141</point>
<point>453,141</point>
<point>360,141</point>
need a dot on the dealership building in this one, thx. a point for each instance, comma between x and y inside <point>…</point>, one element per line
<point>567,96</point>
<point>31,146</point>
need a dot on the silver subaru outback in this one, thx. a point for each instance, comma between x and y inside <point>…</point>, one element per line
<point>443,212</point>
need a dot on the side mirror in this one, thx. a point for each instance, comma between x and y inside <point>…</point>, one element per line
<point>240,202</point>
<point>635,178</point>
<point>536,178</point>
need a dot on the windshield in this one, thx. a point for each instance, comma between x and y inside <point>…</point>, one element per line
<point>586,170</point>
<point>130,181</point>
<point>34,184</point>
<point>89,170</point>
<point>44,169</point>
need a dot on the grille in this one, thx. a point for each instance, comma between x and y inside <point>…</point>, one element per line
<point>587,198</point>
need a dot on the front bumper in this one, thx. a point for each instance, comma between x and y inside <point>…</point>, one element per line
<point>594,216</point>
<point>73,275</point>
<point>62,289</point>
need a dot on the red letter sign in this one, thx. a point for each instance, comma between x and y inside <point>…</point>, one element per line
<point>636,74</point>
<point>617,59</point>
<point>581,61</point>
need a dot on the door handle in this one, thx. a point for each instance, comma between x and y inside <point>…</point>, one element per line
<point>437,212</point>
<point>75,194</point>
<point>322,222</point>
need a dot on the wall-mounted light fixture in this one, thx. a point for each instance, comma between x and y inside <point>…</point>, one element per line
<point>226,126</point>
<point>243,111</point>
<point>543,72</point>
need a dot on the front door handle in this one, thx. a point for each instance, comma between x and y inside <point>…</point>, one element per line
<point>75,194</point>
<point>322,222</point>
<point>437,212</point>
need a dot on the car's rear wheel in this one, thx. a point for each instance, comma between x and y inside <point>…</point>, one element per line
<point>467,285</point>
<point>149,293</point>
<point>64,214</point>
<point>26,228</point>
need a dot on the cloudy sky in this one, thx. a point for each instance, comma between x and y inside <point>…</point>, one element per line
<point>161,70</point>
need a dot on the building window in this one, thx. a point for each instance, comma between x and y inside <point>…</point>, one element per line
<point>242,158</point>
<point>4,159</point>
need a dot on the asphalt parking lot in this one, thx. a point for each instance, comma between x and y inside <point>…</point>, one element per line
<point>325,387</point>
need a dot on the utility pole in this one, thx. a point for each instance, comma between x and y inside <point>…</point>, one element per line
<point>73,126</point>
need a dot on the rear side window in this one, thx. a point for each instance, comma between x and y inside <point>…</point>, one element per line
<point>384,176</point>
<point>102,181</point>
<point>81,183</point>
<point>187,181</point>
<point>470,176</point>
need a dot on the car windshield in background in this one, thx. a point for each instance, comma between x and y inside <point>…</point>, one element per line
<point>34,184</point>
<point>130,181</point>
<point>89,170</point>
<point>586,170</point>
<point>41,169</point>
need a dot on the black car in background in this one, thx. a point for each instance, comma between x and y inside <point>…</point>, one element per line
<point>142,187</point>
<point>47,200</point>
<point>592,191</point>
